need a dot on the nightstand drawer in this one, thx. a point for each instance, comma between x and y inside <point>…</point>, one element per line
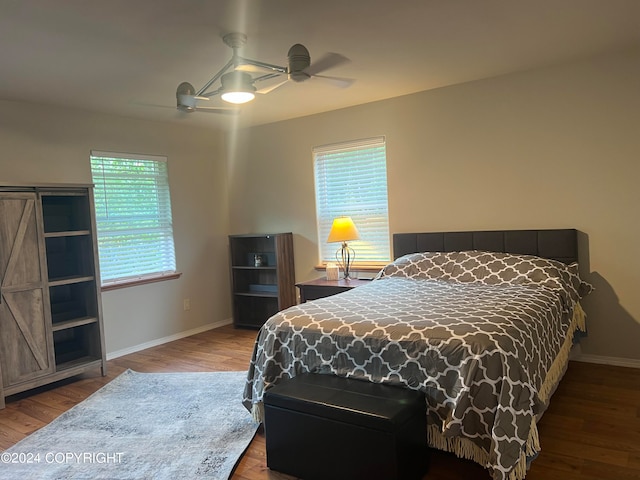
<point>321,288</point>
<point>312,292</point>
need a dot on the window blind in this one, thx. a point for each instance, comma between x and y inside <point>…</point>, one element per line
<point>133,216</point>
<point>351,180</point>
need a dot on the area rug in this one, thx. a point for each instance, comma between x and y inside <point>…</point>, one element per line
<point>142,426</point>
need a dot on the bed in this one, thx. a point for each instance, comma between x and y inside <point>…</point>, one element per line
<point>481,322</point>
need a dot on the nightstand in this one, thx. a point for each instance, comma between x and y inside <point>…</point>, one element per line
<point>322,287</point>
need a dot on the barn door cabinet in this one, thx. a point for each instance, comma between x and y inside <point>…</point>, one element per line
<point>50,308</point>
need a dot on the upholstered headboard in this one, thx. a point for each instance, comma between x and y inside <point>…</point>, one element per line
<point>560,244</point>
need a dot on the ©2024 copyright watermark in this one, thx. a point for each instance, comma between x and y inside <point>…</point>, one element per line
<point>61,457</point>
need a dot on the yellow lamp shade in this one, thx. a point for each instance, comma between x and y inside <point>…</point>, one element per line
<point>343,230</point>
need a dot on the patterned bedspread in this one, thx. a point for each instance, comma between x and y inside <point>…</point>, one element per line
<point>481,349</point>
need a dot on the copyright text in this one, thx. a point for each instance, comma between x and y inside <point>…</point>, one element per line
<point>61,457</point>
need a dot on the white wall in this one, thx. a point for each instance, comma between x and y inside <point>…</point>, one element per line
<point>557,147</point>
<point>40,144</point>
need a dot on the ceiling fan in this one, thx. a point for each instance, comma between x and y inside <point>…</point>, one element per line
<point>238,85</point>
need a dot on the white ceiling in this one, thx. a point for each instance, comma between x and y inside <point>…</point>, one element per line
<point>123,56</point>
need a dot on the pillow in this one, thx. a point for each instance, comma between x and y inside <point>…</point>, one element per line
<point>417,265</point>
<point>492,268</point>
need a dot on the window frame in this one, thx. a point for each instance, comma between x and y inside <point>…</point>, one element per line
<point>138,278</point>
<point>325,218</point>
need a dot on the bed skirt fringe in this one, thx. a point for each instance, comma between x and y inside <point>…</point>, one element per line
<point>559,366</point>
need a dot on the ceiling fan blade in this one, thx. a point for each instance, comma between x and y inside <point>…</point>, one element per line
<point>178,113</point>
<point>191,100</point>
<point>327,61</point>
<point>154,105</point>
<point>247,67</point>
<point>271,88</point>
<point>337,81</point>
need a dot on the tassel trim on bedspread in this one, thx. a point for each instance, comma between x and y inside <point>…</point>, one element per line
<point>465,448</point>
<point>257,412</point>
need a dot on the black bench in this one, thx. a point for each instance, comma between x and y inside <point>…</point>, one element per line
<point>321,427</point>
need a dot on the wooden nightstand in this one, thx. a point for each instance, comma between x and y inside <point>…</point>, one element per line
<point>322,287</point>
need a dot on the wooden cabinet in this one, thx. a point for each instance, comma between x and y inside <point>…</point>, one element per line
<point>50,309</point>
<point>262,277</point>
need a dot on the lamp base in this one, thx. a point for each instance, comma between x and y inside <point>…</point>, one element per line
<point>345,256</point>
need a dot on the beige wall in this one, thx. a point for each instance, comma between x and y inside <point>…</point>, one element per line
<point>555,147</point>
<point>44,144</point>
<point>552,148</point>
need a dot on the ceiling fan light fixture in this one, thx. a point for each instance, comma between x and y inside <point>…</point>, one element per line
<point>238,97</point>
<point>237,87</point>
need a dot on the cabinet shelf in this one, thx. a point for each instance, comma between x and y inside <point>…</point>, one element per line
<point>69,233</point>
<point>69,256</point>
<point>76,322</point>
<point>85,361</point>
<point>63,212</point>
<point>55,282</point>
<point>73,301</point>
<point>257,294</point>
<point>74,343</point>
<point>244,267</point>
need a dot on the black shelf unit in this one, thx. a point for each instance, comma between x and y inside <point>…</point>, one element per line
<point>262,277</point>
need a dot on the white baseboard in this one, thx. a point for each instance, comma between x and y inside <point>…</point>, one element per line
<point>170,338</point>
<point>615,361</point>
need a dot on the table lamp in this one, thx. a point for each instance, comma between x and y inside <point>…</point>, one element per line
<point>344,230</point>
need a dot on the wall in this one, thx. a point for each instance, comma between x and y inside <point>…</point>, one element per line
<point>551,148</point>
<point>52,145</point>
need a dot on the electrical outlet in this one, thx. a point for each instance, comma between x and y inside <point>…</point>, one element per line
<point>186,304</point>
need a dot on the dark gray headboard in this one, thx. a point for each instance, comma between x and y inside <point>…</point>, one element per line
<point>561,244</point>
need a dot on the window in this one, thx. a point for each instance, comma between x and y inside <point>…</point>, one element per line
<point>133,216</point>
<point>351,180</point>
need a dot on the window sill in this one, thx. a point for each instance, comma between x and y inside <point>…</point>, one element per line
<point>139,281</point>
<point>371,267</point>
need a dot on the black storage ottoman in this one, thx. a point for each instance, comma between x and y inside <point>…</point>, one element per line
<point>321,427</point>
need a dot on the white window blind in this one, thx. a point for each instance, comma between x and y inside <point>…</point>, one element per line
<point>133,216</point>
<point>351,180</point>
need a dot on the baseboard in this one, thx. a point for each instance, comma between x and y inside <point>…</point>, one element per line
<point>615,361</point>
<point>170,338</point>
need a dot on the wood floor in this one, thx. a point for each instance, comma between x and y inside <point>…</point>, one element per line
<point>591,431</point>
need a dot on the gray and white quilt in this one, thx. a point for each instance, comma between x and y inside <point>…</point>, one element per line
<point>484,335</point>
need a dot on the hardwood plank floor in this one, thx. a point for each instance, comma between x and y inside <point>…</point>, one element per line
<point>591,431</point>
